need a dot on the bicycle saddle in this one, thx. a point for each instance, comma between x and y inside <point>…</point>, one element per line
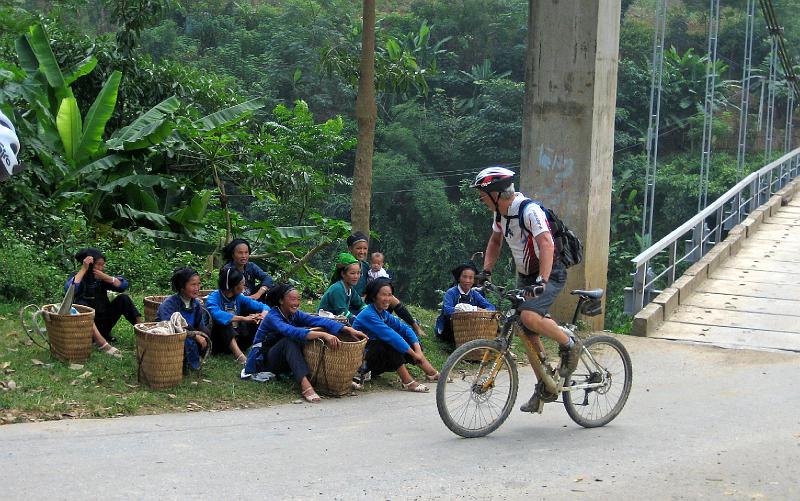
<point>593,294</point>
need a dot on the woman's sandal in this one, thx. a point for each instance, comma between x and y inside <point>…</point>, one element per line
<point>311,397</point>
<point>419,388</point>
<point>110,350</point>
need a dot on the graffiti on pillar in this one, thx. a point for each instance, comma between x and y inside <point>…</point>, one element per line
<point>558,166</point>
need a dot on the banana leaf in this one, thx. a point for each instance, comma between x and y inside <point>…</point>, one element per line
<point>228,115</point>
<point>97,117</point>
<point>40,45</point>
<point>149,129</point>
<point>81,69</point>
<point>68,122</point>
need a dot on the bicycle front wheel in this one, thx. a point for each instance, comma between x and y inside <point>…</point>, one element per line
<point>607,373</point>
<point>477,388</point>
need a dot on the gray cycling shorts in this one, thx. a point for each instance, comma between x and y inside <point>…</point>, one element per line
<point>541,304</point>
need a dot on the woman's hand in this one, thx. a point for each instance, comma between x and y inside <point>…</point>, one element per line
<point>258,293</point>
<point>99,275</point>
<point>355,333</point>
<point>332,341</point>
<point>87,261</point>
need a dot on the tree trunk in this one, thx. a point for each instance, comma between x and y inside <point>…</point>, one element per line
<point>366,114</point>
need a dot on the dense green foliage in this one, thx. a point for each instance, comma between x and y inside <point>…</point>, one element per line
<point>275,164</point>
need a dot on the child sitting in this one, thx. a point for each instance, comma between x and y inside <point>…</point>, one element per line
<point>376,270</point>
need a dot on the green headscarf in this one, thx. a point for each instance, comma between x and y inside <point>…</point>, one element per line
<point>343,260</point>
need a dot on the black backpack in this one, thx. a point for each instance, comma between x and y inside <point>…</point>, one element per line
<point>568,245</point>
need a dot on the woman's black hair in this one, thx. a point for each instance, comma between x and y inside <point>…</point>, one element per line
<point>277,293</point>
<point>340,270</point>
<point>227,251</point>
<point>229,277</point>
<point>458,270</point>
<point>356,237</point>
<point>180,277</point>
<point>374,287</point>
<point>89,251</point>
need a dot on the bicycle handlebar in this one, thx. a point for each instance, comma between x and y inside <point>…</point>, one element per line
<point>516,296</point>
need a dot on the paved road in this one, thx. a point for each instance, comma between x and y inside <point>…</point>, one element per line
<point>701,422</point>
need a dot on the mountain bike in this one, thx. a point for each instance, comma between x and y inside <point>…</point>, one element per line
<point>479,381</point>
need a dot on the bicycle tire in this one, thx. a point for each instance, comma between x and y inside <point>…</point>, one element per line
<point>599,406</point>
<point>464,407</point>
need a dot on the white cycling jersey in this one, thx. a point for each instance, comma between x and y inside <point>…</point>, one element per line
<point>522,243</point>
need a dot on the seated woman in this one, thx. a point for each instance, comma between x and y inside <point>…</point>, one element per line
<point>358,245</point>
<point>235,315</point>
<point>341,297</point>
<point>392,344</point>
<point>91,289</point>
<point>279,341</point>
<point>460,294</point>
<point>256,280</point>
<point>186,284</point>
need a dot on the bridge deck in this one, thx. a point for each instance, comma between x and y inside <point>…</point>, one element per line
<point>753,299</point>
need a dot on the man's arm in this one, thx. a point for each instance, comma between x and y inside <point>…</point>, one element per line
<point>546,251</point>
<point>493,250</point>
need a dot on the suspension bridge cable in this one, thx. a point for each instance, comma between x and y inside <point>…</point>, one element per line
<point>747,70</point>
<point>659,32</point>
<point>708,110</point>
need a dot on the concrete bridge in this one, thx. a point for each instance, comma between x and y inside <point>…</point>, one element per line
<point>745,292</point>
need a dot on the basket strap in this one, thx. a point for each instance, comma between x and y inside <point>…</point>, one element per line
<point>34,330</point>
<point>320,361</point>
<point>139,358</point>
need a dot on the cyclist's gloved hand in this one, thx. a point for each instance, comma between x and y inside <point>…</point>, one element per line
<point>483,277</point>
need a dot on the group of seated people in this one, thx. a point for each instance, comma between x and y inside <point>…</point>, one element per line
<point>249,312</point>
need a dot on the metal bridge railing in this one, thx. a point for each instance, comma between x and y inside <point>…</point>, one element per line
<point>657,265</point>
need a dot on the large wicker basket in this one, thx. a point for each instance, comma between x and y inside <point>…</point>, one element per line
<point>151,304</point>
<point>160,357</point>
<point>70,336</point>
<point>332,371</point>
<point>471,325</point>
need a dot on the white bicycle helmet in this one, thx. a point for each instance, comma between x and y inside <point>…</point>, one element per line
<point>493,179</point>
<point>9,148</point>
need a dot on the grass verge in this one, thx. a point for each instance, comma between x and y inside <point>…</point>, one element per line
<point>37,387</point>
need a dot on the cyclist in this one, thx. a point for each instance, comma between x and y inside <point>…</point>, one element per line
<point>535,257</point>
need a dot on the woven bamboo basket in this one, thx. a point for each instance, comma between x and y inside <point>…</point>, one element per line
<point>332,371</point>
<point>151,304</point>
<point>160,357</point>
<point>70,336</point>
<point>471,325</point>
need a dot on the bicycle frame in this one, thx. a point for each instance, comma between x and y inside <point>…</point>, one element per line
<point>545,374</point>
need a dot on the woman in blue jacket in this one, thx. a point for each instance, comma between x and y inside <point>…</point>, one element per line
<point>235,315</point>
<point>392,343</point>
<point>460,293</point>
<point>92,284</point>
<point>256,281</point>
<point>186,284</point>
<point>278,345</point>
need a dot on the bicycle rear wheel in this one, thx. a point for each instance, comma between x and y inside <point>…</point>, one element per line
<point>469,403</point>
<point>610,365</point>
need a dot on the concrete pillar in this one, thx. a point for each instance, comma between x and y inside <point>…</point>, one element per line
<point>568,129</point>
